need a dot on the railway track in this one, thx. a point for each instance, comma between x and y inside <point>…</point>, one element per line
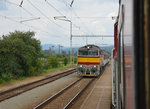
<point>65,97</point>
<point>23,88</point>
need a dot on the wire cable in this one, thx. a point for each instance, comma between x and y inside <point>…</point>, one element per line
<point>81,21</point>
<point>45,15</point>
<point>68,5</point>
<point>20,7</point>
<point>8,18</point>
<point>85,17</point>
<point>59,12</point>
<point>53,7</point>
<point>31,13</point>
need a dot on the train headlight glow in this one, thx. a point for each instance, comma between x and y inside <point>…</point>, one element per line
<point>81,65</point>
<point>94,66</point>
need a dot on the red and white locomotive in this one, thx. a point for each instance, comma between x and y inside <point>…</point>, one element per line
<point>90,60</point>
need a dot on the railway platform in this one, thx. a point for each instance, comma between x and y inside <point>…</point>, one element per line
<point>101,94</point>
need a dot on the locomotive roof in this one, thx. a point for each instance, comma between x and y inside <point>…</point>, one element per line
<point>93,47</point>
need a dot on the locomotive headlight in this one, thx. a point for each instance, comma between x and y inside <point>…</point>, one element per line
<point>94,69</point>
<point>81,65</point>
<point>80,69</point>
<point>94,66</point>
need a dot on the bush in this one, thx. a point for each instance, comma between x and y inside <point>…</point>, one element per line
<point>6,76</point>
<point>46,66</point>
<point>1,81</point>
<point>19,55</point>
<point>65,61</point>
<point>53,62</point>
<point>75,60</point>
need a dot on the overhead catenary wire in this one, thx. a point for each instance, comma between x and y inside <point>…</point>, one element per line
<point>59,11</point>
<point>87,17</point>
<point>20,6</point>
<point>32,14</point>
<point>84,17</point>
<point>10,18</point>
<point>53,7</point>
<point>80,19</point>
<point>82,23</point>
<point>68,5</point>
<point>95,17</point>
<point>45,15</point>
<point>64,2</point>
<point>6,17</point>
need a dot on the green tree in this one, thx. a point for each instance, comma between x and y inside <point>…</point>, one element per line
<point>53,62</point>
<point>19,54</point>
<point>65,61</point>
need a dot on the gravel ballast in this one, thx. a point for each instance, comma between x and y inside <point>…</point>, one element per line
<point>33,97</point>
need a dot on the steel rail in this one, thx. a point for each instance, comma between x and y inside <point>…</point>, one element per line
<point>26,87</point>
<point>77,95</point>
<point>55,95</point>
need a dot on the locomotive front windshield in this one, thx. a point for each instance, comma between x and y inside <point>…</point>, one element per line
<point>88,52</point>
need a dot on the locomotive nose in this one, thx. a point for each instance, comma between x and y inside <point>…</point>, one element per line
<point>81,69</point>
<point>94,70</point>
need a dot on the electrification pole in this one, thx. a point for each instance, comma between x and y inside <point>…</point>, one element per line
<point>70,42</point>
<point>62,18</point>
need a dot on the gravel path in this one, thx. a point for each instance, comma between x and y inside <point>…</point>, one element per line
<point>33,97</point>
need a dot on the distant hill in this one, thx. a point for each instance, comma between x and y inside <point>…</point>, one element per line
<point>107,48</point>
<point>47,46</point>
<point>56,48</point>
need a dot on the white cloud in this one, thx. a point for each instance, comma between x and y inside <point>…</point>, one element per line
<point>59,33</point>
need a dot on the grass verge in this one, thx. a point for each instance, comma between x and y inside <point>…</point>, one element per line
<point>37,74</point>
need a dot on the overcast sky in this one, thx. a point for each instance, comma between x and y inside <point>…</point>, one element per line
<point>89,17</point>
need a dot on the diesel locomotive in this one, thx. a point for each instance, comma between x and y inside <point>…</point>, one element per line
<point>90,60</point>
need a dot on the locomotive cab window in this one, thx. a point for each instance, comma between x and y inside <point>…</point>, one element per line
<point>88,53</point>
<point>83,53</point>
<point>93,53</point>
